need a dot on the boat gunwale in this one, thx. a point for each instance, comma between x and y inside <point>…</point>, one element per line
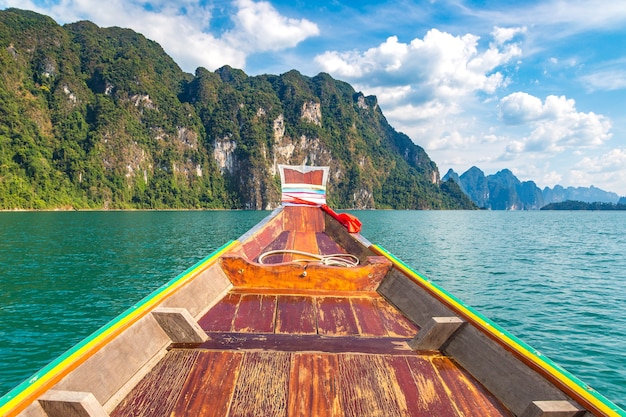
<point>562,378</point>
<point>260,225</point>
<point>27,392</point>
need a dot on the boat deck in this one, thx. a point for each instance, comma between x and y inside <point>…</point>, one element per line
<point>286,354</point>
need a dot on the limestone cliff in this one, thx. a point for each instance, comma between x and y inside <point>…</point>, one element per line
<point>102,117</point>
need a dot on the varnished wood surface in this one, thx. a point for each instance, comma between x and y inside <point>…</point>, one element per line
<point>158,393</point>
<point>269,383</point>
<point>303,219</point>
<point>301,342</point>
<point>306,355</point>
<point>301,229</point>
<point>307,314</point>
<point>245,274</point>
<point>293,176</point>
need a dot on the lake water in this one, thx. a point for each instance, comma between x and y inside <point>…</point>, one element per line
<point>557,280</point>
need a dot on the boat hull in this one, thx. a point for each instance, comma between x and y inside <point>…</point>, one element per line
<point>234,336</point>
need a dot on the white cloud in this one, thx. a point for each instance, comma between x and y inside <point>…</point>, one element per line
<point>427,87</point>
<point>555,124</point>
<point>606,171</point>
<point>548,178</point>
<point>182,37</point>
<point>504,35</point>
<point>518,108</point>
<point>411,113</point>
<point>183,28</point>
<point>605,80</point>
<point>259,27</point>
<point>440,65</point>
<point>613,162</point>
<point>557,18</point>
<point>453,139</point>
<point>577,14</point>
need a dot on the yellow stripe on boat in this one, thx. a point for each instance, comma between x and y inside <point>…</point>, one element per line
<point>28,391</point>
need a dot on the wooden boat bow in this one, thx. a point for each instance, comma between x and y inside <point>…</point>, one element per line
<point>233,336</point>
<point>303,229</point>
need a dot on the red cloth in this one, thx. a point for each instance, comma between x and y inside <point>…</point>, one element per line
<point>350,222</point>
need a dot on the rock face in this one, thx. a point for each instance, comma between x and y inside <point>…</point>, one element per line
<point>585,194</point>
<point>312,112</point>
<point>476,186</point>
<point>503,191</point>
<point>102,117</point>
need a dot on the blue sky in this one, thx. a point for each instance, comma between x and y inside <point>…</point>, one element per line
<point>538,87</point>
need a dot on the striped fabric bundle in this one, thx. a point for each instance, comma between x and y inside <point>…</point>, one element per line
<point>303,184</point>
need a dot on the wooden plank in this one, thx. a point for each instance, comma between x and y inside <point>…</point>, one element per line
<point>381,385</point>
<point>202,292</point>
<point>346,240</point>
<point>327,246</point>
<point>313,387</point>
<point>210,385</point>
<point>294,176</point>
<point>156,394</point>
<point>113,364</point>
<point>262,386</point>
<point>335,317</point>
<point>395,322</point>
<point>553,409</point>
<point>256,314</point>
<point>435,333</point>
<point>58,403</point>
<point>308,343</point>
<point>305,242</point>
<point>296,314</point>
<point>411,299</point>
<point>243,273</point>
<point>179,325</point>
<point>304,292</point>
<point>303,219</point>
<point>410,397</point>
<point>279,243</point>
<point>220,318</point>
<point>368,387</point>
<point>470,397</point>
<point>434,399</point>
<point>254,244</point>
<point>291,238</point>
<point>368,318</point>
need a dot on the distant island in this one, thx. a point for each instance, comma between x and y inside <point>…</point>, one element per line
<point>504,191</point>
<point>581,205</point>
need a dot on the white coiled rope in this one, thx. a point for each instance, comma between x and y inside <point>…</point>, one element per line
<point>335,259</point>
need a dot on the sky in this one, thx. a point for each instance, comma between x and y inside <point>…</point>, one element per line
<point>537,87</point>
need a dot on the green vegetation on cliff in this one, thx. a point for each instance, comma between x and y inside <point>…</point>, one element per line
<point>103,118</point>
<point>581,205</point>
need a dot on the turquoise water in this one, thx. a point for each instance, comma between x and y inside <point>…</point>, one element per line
<point>557,280</point>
